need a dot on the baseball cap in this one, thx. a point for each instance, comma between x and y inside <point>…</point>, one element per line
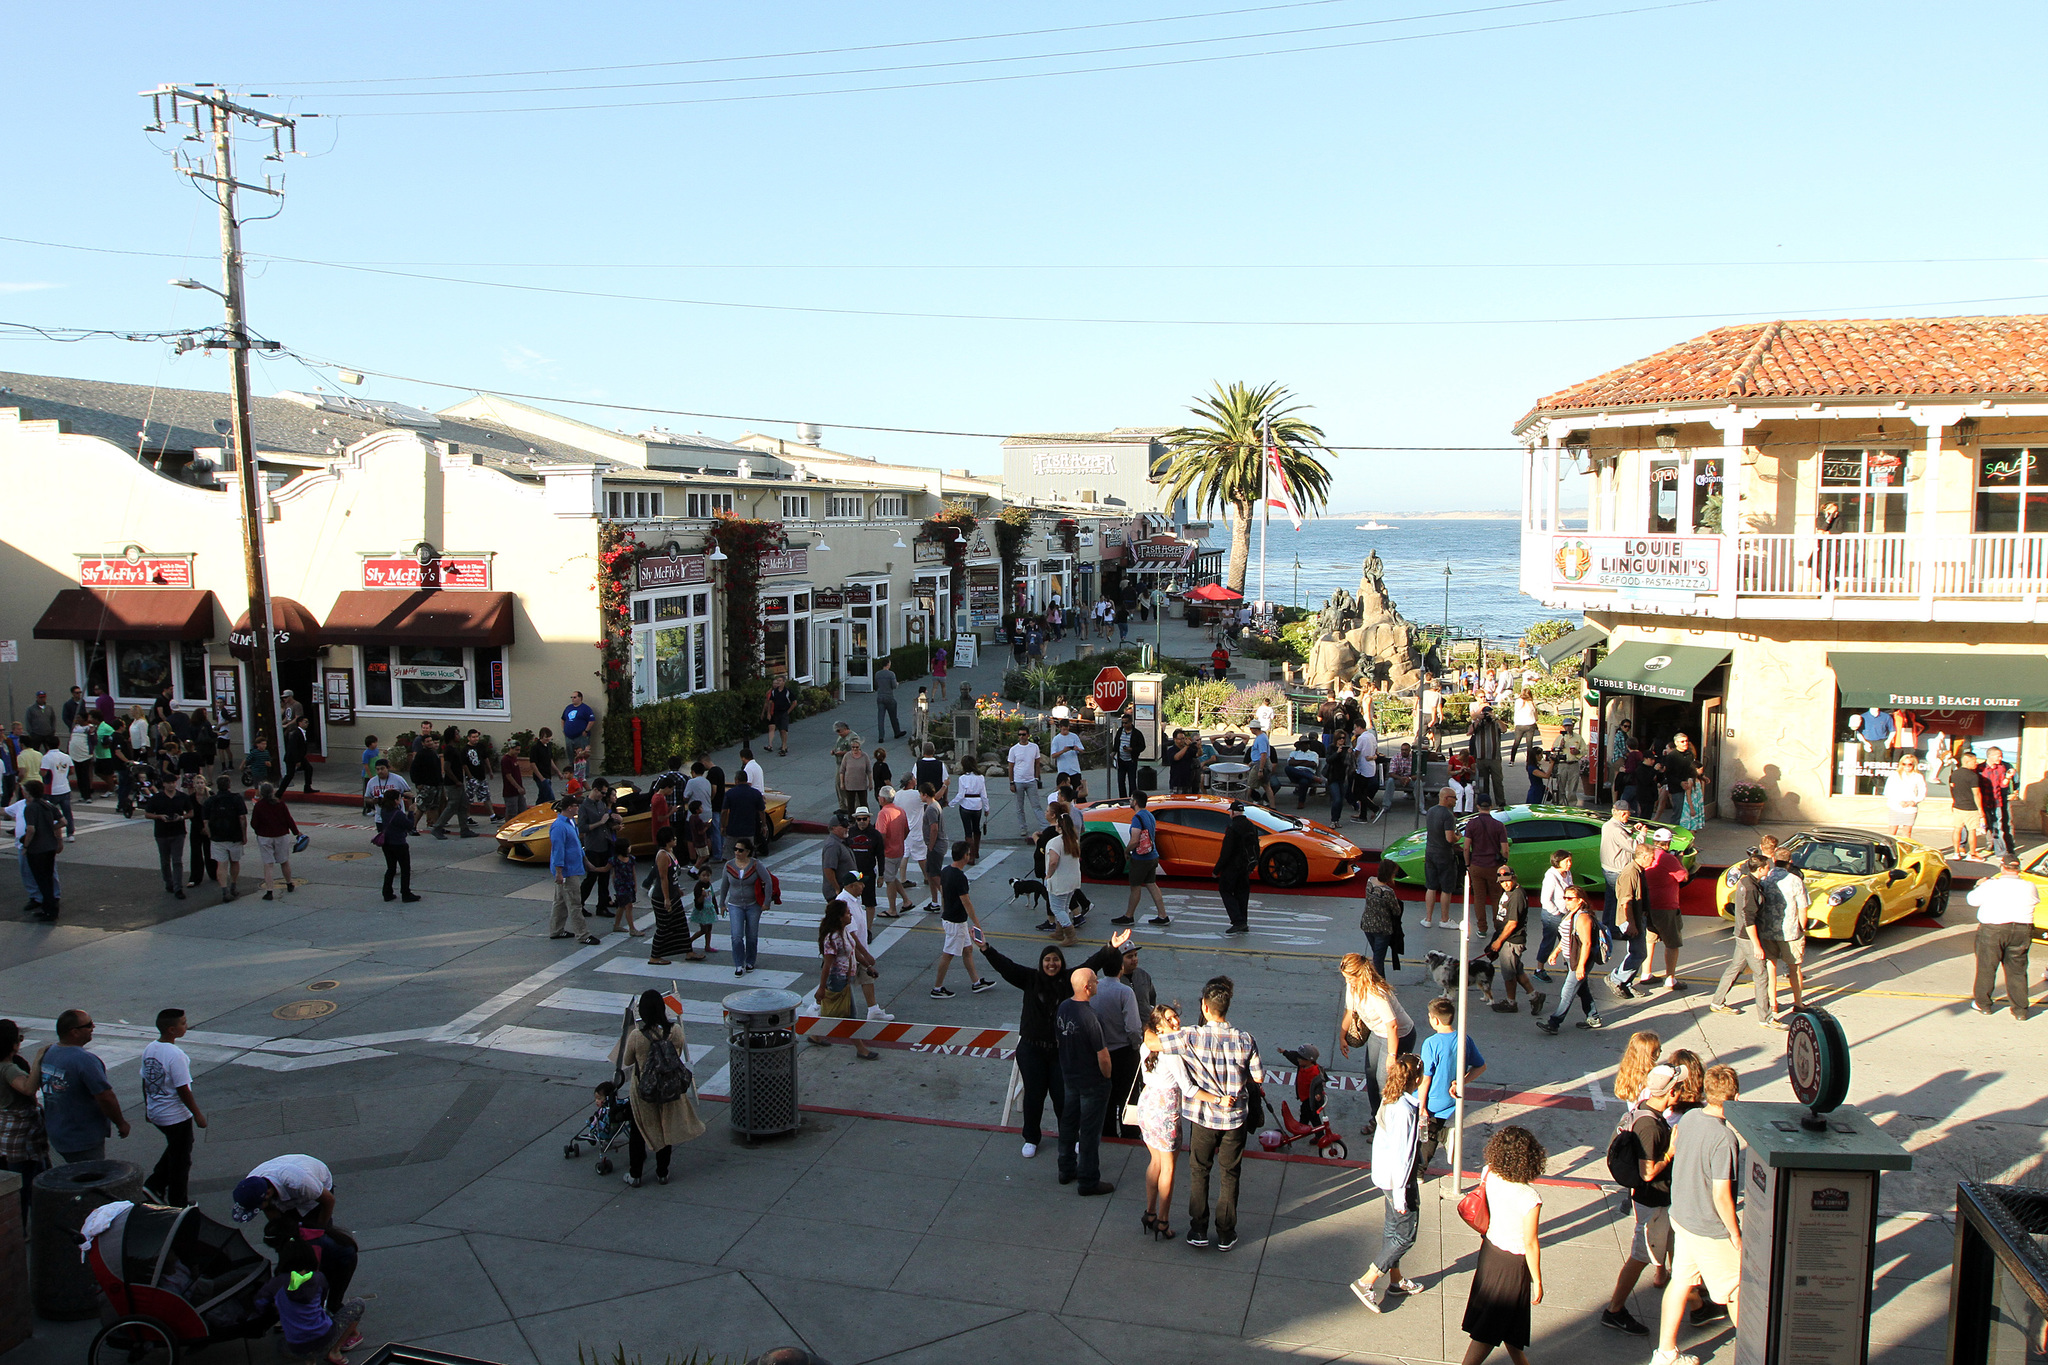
<point>249,1197</point>
<point>1660,1080</point>
<point>1484,802</point>
<point>1662,836</point>
<point>1237,808</point>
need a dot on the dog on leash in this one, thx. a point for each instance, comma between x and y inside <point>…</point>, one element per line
<point>1029,889</point>
<point>1443,969</point>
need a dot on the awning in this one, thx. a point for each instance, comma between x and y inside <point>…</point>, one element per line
<point>1672,672</point>
<point>128,614</point>
<point>1213,592</point>
<point>1579,641</point>
<point>1960,681</point>
<point>297,632</point>
<point>367,616</point>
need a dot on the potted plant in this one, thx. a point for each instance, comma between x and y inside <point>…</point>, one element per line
<point>1748,799</point>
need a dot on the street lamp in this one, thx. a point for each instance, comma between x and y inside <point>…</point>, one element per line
<point>1445,662</point>
<point>1297,579</point>
<point>194,284</point>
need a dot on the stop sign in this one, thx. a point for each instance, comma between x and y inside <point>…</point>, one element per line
<point>1111,690</point>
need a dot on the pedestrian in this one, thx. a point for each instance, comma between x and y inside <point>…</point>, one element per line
<point>1365,769</point>
<point>2005,926</point>
<point>566,862</point>
<point>1999,782</point>
<point>395,828</point>
<point>597,827</point>
<point>1058,858</point>
<point>298,1294</point>
<point>841,959</point>
<point>106,742</point>
<point>1141,859</point>
<point>1486,846</point>
<point>957,913</point>
<point>1904,790</point>
<point>1509,943</point>
<point>1443,871</point>
<point>1482,742</point>
<point>1223,1067</point>
<point>1617,851</point>
<point>746,897</point>
<point>1525,725</point>
<point>1665,876</point>
<point>512,780</point>
<point>1781,927</point>
<point>200,864</point>
<point>1745,904</point>
<point>1066,749</point>
<point>1380,920</point>
<point>781,703</point>
<point>743,814</point>
<point>1444,1078</point>
<point>1026,764</point>
<point>856,777</point>
<point>1396,1142</point>
<point>939,662</point>
<point>624,869</point>
<point>1235,862</point>
<point>1557,879</point>
<point>578,721</point>
<point>892,822</point>
<point>654,1053</point>
<point>885,701</point>
<point>297,746</point>
<point>1644,1136</point>
<point>971,797</point>
<point>296,1194</point>
<point>168,1104</point>
<point>270,819</point>
<point>79,1103</point>
<point>669,902</point>
<point>1373,1019</point>
<point>1579,951</point>
<point>1966,792</point>
<point>930,771</point>
<point>1337,771</point>
<point>1037,1059</point>
<point>38,828</point>
<point>58,770</point>
<point>1123,1033</point>
<point>1126,747</point>
<point>1219,661</point>
<point>1508,1280</point>
<point>168,810</point>
<point>542,759</point>
<point>24,1149</point>
<point>41,722</point>
<point>1166,1093</point>
<point>882,773</point>
<point>1632,922</point>
<point>1706,1238</point>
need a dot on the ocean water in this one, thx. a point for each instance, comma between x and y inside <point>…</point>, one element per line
<point>1483,554</point>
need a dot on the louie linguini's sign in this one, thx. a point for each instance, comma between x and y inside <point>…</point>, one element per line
<point>1668,563</point>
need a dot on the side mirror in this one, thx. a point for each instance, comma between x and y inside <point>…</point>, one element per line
<point>1894,875</point>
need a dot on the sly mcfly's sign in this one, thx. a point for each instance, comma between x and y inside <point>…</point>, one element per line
<point>1670,563</point>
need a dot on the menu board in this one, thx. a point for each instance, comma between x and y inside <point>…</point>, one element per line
<point>1813,1230</point>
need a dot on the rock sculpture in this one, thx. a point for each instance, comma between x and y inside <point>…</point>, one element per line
<point>1364,635</point>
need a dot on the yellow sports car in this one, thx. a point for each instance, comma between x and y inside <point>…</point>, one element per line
<point>2034,867</point>
<point>1856,881</point>
<point>524,838</point>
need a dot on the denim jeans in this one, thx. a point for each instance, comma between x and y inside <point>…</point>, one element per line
<point>63,800</point>
<point>1552,929</point>
<point>1377,1054</point>
<point>1398,1230</point>
<point>170,857</point>
<point>1039,1065</point>
<point>1379,944</point>
<point>544,791</point>
<point>1632,953</point>
<point>746,931</point>
<point>1575,987</point>
<point>1337,786</point>
<point>28,879</point>
<point>1081,1110</point>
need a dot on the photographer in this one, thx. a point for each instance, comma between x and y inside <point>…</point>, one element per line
<point>1541,766</point>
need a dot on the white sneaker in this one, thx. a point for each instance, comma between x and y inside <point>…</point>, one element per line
<point>877,1012</point>
<point>1030,1150</point>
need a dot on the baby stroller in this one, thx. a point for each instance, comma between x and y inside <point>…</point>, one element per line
<point>610,1121</point>
<point>174,1281</point>
<point>1310,1086</point>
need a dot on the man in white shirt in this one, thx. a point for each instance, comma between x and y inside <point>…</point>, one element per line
<point>1025,761</point>
<point>1365,768</point>
<point>756,778</point>
<point>1066,747</point>
<point>57,767</point>
<point>168,1104</point>
<point>849,895</point>
<point>384,781</point>
<point>2005,927</point>
<point>1263,714</point>
<point>1432,711</point>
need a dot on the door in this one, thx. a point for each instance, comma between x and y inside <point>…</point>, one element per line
<point>301,679</point>
<point>1713,721</point>
<point>1190,839</point>
<point>1533,841</point>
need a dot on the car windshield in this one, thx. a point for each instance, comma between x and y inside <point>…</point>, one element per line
<point>1268,821</point>
<point>1831,856</point>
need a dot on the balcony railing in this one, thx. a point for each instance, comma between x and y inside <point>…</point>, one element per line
<point>1961,566</point>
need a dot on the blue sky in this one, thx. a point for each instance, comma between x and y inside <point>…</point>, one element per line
<point>1588,168</point>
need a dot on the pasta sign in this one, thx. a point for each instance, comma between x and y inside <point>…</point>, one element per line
<point>1669,563</point>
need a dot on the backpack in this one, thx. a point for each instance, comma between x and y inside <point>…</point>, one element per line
<point>664,1075</point>
<point>1625,1154</point>
<point>223,818</point>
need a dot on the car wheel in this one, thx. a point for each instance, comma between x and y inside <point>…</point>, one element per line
<point>1284,866</point>
<point>1937,901</point>
<point>1102,856</point>
<point>1866,923</point>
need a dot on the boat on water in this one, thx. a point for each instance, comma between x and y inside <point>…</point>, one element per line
<point>1372,526</point>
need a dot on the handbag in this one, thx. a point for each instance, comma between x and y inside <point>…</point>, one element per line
<point>1354,1030</point>
<point>300,844</point>
<point>1473,1207</point>
<point>378,838</point>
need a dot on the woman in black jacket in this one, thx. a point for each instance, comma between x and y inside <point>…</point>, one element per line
<point>1038,1058</point>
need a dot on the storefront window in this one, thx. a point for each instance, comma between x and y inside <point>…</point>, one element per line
<point>786,628</point>
<point>2012,491</point>
<point>192,669</point>
<point>432,678</point>
<point>1706,496</point>
<point>671,645</point>
<point>1867,486</point>
<point>490,679</point>
<point>142,668</point>
<point>1663,497</point>
<point>1870,742</point>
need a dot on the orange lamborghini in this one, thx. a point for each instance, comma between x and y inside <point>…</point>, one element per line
<point>1292,851</point>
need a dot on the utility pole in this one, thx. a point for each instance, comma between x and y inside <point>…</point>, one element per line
<point>213,117</point>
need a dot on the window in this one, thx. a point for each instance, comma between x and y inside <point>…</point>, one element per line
<point>2012,491</point>
<point>843,505</point>
<point>1706,496</point>
<point>142,668</point>
<point>889,505</point>
<point>702,506</point>
<point>796,506</point>
<point>632,504</point>
<point>432,678</point>
<point>1866,487</point>
<point>671,645</point>
<point>1663,519</point>
<point>1203,820</point>
<point>786,634</point>
<point>192,670</point>
<point>1549,831</point>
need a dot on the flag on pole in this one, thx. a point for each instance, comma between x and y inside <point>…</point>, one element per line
<point>1279,492</point>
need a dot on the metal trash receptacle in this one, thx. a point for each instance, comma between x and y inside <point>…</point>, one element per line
<point>761,1052</point>
<point>60,1282</point>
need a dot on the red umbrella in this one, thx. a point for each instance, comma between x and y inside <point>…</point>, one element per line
<point>1213,592</point>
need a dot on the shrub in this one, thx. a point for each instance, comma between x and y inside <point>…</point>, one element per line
<point>692,725</point>
<point>1237,712</point>
<point>1197,700</point>
<point>910,661</point>
<point>1457,712</point>
<point>1746,793</point>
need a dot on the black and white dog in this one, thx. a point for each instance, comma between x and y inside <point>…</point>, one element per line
<point>1029,889</point>
<point>1443,969</point>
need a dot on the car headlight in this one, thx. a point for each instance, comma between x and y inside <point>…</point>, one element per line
<point>1840,894</point>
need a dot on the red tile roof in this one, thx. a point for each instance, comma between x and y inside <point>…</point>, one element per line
<point>1896,357</point>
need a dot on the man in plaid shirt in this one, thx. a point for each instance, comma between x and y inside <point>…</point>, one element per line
<point>1223,1062</point>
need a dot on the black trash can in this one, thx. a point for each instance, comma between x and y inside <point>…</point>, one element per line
<point>60,1283</point>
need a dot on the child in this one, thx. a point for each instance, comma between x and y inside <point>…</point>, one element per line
<point>1396,1143</point>
<point>703,910</point>
<point>1441,1079</point>
<point>696,838</point>
<point>884,775</point>
<point>299,1292</point>
<point>623,868</point>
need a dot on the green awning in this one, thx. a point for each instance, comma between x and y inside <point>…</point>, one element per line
<point>1959,681</point>
<point>1672,672</point>
<point>1579,641</point>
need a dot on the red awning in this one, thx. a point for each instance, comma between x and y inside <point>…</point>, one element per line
<point>368,616</point>
<point>1213,592</point>
<point>297,631</point>
<point>128,614</point>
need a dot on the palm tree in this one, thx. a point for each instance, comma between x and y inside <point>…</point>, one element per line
<point>1218,463</point>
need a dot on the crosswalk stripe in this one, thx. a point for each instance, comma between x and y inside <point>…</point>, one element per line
<point>700,971</point>
<point>611,1002</point>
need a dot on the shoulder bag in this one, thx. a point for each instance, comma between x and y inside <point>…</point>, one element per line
<point>1473,1207</point>
<point>1132,1116</point>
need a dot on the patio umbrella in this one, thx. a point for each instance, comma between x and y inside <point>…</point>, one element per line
<point>1213,592</point>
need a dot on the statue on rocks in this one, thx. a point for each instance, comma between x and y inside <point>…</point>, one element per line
<point>1363,635</point>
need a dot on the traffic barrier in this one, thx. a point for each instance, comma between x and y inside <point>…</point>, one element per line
<point>995,1044</point>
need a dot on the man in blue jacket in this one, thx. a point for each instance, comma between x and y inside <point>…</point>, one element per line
<point>565,860</point>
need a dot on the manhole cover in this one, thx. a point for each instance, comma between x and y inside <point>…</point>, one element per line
<point>345,857</point>
<point>304,1009</point>
<point>321,985</point>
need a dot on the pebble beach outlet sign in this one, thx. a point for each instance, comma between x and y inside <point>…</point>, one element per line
<point>1670,563</point>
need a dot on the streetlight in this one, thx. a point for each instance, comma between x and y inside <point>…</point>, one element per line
<point>194,284</point>
<point>1297,578</point>
<point>1445,662</point>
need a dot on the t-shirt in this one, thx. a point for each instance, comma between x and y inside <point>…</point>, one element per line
<point>1144,819</point>
<point>894,825</point>
<point>1704,1149</point>
<point>835,860</point>
<point>103,741</point>
<point>57,764</point>
<point>225,811</point>
<point>1507,1204</point>
<point>1665,876</point>
<point>1484,837</point>
<point>1024,757</point>
<point>1441,822</point>
<point>176,806</point>
<point>165,1067</point>
<point>298,1180</point>
<point>1653,1136</point>
<point>953,887</point>
<point>72,1079</point>
<point>744,808</point>
<point>1964,784</point>
<point>1079,1033</point>
<point>1439,1053</point>
<point>1066,752</point>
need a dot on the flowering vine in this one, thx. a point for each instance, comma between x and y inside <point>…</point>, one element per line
<point>743,542</point>
<point>953,517</point>
<point>619,553</point>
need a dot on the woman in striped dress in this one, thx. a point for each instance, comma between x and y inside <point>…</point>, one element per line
<point>670,902</point>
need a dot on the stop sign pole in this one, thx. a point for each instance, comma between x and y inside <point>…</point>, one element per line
<point>1111,690</point>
